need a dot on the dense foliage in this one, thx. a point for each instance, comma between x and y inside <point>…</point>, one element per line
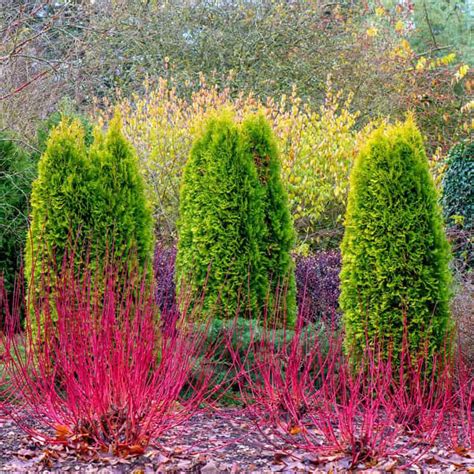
<point>394,253</point>
<point>235,229</point>
<point>458,200</point>
<point>277,237</point>
<point>46,126</point>
<point>234,133</point>
<point>317,149</point>
<point>86,202</point>
<point>220,221</point>
<point>121,217</point>
<point>17,170</point>
<point>61,202</point>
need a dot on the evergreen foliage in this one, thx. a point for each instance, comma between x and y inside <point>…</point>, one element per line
<point>394,252</point>
<point>458,199</point>
<point>122,220</point>
<point>88,202</point>
<point>278,236</point>
<point>17,171</point>
<point>60,208</point>
<point>220,219</point>
<point>53,120</point>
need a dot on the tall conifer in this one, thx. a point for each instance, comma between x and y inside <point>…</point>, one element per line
<point>394,252</point>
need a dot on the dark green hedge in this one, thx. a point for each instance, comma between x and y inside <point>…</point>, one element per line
<point>458,201</point>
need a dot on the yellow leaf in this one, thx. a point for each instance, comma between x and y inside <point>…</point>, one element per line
<point>379,11</point>
<point>420,65</point>
<point>462,71</point>
<point>449,58</point>
<point>399,26</point>
<point>372,31</point>
<point>406,46</point>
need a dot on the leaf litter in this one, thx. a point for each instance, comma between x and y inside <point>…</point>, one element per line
<point>209,443</point>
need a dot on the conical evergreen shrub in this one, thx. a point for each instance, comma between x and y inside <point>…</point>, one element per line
<point>220,218</point>
<point>121,218</point>
<point>278,236</point>
<point>88,203</point>
<point>394,252</point>
<point>61,207</point>
<point>60,200</point>
<point>52,121</point>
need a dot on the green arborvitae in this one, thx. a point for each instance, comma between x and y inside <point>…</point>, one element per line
<point>220,216</point>
<point>278,236</point>
<point>18,169</point>
<point>458,200</point>
<point>52,121</point>
<point>394,253</point>
<point>122,220</point>
<point>60,204</point>
<point>86,202</point>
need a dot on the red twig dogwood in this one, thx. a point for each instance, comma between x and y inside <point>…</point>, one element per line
<point>98,371</point>
<point>314,397</point>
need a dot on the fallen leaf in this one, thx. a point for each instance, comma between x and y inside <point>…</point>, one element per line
<point>294,430</point>
<point>278,457</point>
<point>136,450</point>
<point>62,432</point>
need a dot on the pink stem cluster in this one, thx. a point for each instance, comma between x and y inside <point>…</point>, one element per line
<point>306,391</point>
<point>96,369</point>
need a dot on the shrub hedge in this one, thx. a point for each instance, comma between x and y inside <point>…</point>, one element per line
<point>458,201</point>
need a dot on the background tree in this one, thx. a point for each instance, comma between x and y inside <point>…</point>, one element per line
<point>441,25</point>
<point>269,47</point>
<point>84,50</point>
<point>394,252</point>
<point>40,45</point>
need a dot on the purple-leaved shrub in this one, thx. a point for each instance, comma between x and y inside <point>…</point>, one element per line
<point>317,280</point>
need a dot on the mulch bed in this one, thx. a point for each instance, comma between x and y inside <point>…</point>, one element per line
<point>227,442</point>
